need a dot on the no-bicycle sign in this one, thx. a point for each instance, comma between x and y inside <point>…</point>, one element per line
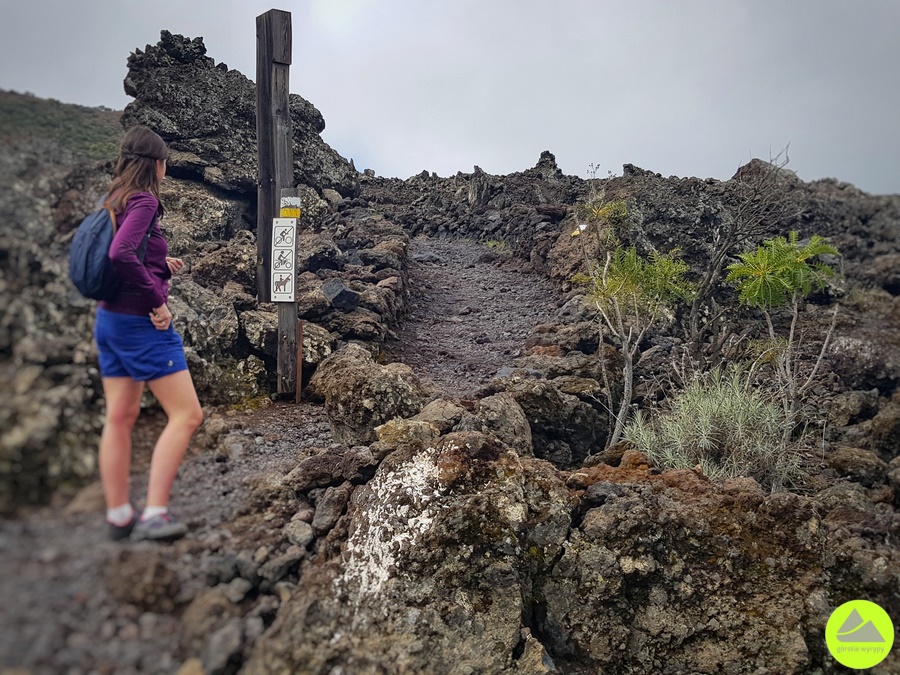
<point>284,236</point>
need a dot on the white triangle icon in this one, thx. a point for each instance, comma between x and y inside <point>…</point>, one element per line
<point>856,629</point>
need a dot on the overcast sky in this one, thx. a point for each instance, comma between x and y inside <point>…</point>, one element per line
<point>680,87</point>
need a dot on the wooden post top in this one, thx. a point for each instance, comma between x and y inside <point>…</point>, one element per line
<point>276,26</point>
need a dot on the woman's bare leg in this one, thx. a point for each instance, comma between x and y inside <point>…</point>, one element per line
<point>178,398</point>
<point>123,405</point>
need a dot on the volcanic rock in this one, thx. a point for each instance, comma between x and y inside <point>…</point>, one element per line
<point>181,94</point>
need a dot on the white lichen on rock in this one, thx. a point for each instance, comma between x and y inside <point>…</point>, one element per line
<point>401,507</point>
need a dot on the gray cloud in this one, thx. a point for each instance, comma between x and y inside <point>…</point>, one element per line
<point>694,87</point>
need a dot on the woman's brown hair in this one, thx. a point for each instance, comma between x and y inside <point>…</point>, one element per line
<point>136,167</point>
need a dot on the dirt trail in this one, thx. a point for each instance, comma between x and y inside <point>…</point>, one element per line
<point>470,314</point>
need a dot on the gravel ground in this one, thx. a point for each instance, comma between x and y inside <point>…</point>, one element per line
<point>470,313</point>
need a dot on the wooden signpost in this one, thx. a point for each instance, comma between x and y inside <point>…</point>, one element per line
<point>278,208</point>
<point>284,274</point>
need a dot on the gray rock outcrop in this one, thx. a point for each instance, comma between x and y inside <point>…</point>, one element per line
<point>461,556</point>
<point>207,115</point>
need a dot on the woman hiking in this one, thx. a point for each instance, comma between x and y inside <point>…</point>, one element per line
<point>137,344</point>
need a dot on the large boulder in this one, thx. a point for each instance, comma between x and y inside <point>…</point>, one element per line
<point>50,388</point>
<point>856,464</point>
<point>222,370</point>
<point>646,599</point>
<point>865,361</point>
<point>359,324</point>
<point>181,94</point>
<point>196,215</point>
<point>360,394</point>
<point>260,328</point>
<point>208,324</point>
<point>315,252</point>
<point>235,262</point>
<point>886,431</point>
<point>429,578</point>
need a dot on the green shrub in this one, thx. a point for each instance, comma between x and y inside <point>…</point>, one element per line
<point>649,286</point>
<point>726,426</point>
<point>595,209</point>
<point>633,295</point>
<point>782,273</point>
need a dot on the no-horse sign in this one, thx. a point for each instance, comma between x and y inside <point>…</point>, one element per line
<point>284,236</point>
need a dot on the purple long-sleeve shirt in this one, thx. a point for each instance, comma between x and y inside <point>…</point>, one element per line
<point>144,285</point>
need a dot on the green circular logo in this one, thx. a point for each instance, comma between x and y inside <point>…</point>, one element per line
<point>859,634</point>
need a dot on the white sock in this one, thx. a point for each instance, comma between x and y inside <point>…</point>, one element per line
<point>153,511</point>
<point>120,515</point>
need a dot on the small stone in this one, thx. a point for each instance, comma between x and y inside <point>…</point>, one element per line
<point>148,624</point>
<point>306,515</point>
<point>48,555</point>
<point>330,507</point>
<point>237,589</point>
<point>234,446</point>
<point>224,644</point>
<point>285,590</point>
<point>254,628</point>
<point>129,631</point>
<point>278,567</point>
<point>247,567</point>
<point>267,606</point>
<point>77,640</point>
<point>192,666</point>
<point>299,532</point>
<point>108,630</point>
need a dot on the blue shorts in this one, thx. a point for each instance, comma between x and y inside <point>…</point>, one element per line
<point>130,346</point>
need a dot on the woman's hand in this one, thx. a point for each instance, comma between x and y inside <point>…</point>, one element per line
<point>161,317</point>
<point>175,264</point>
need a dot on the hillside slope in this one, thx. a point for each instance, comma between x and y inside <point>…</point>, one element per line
<point>89,134</point>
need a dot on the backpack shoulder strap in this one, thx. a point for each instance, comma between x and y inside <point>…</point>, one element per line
<point>103,203</point>
<point>112,217</point>
<point>142,249</point>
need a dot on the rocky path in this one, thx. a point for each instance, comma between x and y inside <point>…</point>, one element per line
<point>470,314</point>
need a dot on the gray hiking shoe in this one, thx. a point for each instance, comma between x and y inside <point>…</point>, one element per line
<point>120,532</point>
<point>159,528</point>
